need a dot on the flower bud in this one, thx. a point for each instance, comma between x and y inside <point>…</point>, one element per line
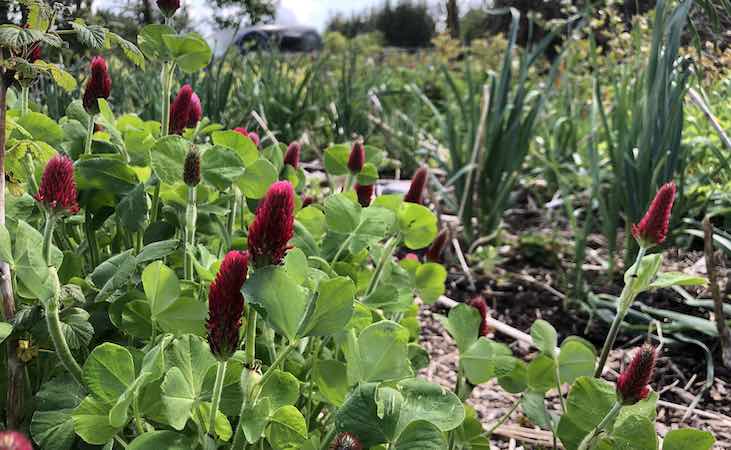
<point>99,85</point>
<point>249,134</point>
<point>356,158</point>
<point>180,110</point>
<point>653,228</point>
<point>307,200</point>
<point>196,111</point>
<point>633,382</point>
<point>57,191</point>
<point>480,305</point>
<point>292,156</point>
<point>14,440</point>
<point>192,168</point>
<point>226,305</point>
<point>418,182</point>
<point>273,225</point>
<point>434,253</point>
<point>168,7</point>
<point>346,441</point>
<point>364,193</point>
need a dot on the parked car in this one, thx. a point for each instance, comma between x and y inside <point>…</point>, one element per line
<point>288,38</point>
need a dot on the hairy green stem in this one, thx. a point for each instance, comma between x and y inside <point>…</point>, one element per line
<point>166,81</point>
<point>89,134</point>
<point>191,214</point>
<point>504,418</point>
<point>48,236</point>
<point>558,385</point>
<point>388,250</point>
<point>588,441</point>
<point>625,301</point>
<point>31,171</point>
<point>216,396</point>
<point>59,341</point>
<point>91,240</point>
<point>24,100</point>
<point>250,337</point>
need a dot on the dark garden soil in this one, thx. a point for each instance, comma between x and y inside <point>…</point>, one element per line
<point>529,282</point>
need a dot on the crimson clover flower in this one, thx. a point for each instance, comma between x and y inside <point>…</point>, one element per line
<point>364,193</point>
<point>192,168</point>
<point>249,134</point>
<point>307,200</point>
<point>418,182</point>
<point>99,85</point>
<point>356,158</point>
<point>480,305</point>
<point>292,156</point>
<point>273,225</point>
<point>346,441</point>
<point>226,305</point>
<point>633,382</point>
<point>653,228</point>
<point>14,440</point>
<point>434,253</point>
<point>196,111</point>
<point>57,191</point>
<point>182,109</point>
<point>168,7</point>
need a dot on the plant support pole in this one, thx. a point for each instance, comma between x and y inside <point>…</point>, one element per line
<point>724,336</point>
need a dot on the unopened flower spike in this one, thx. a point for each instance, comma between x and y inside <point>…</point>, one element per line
<point>192,168</point>
<point>99,85</point>
<point>250,134</point>
<point>292,156</point>
<point>364,193</point>
<point>168,7</point>
<point>434,253</point>
<point>418,183</point>
<point>346,441</point>
<point>180,109</point>
<point>633,384</point>
<point>226,305</point>
<point>356,160</point>
<point>57,191</point>
<point>480,305</point>
<point>273,225</point>
<point>196,111</point>
<point>653,228</point>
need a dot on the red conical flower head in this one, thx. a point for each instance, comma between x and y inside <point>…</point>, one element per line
<point>633,383</point>
<point>99,85</point>
<point>168,7</point>
<point>196,111</point>
<point>180,109</point>
<point>480,305</point>
<point>653,228</point>
<point>226,305</point>
<point>307,200</point>
<point>346,441</point>
<point>14,440</point>
<point>418,182</point>
<point>434,253</point>
<point>356,158</point>
<point>58,187</point>
<point>292,156</point>
<point>364,193</point>
<point>273,225</point>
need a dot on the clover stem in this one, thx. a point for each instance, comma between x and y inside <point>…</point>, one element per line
<point>191,214</point>
<point>388,250</point>
<point>59,341</point>
<point>277,362</point>
<point>24,99</point>
<point>89,134</point>
<point>588,440</point>
<point>166,81</point>
<point>91,240</point>
<point>30,169</point>
<point>504,418</point>
<point>558,385</point>
<point>250,337</point>
<point>48,236</point>
<point>216,398</point>
<point>624,302</point>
